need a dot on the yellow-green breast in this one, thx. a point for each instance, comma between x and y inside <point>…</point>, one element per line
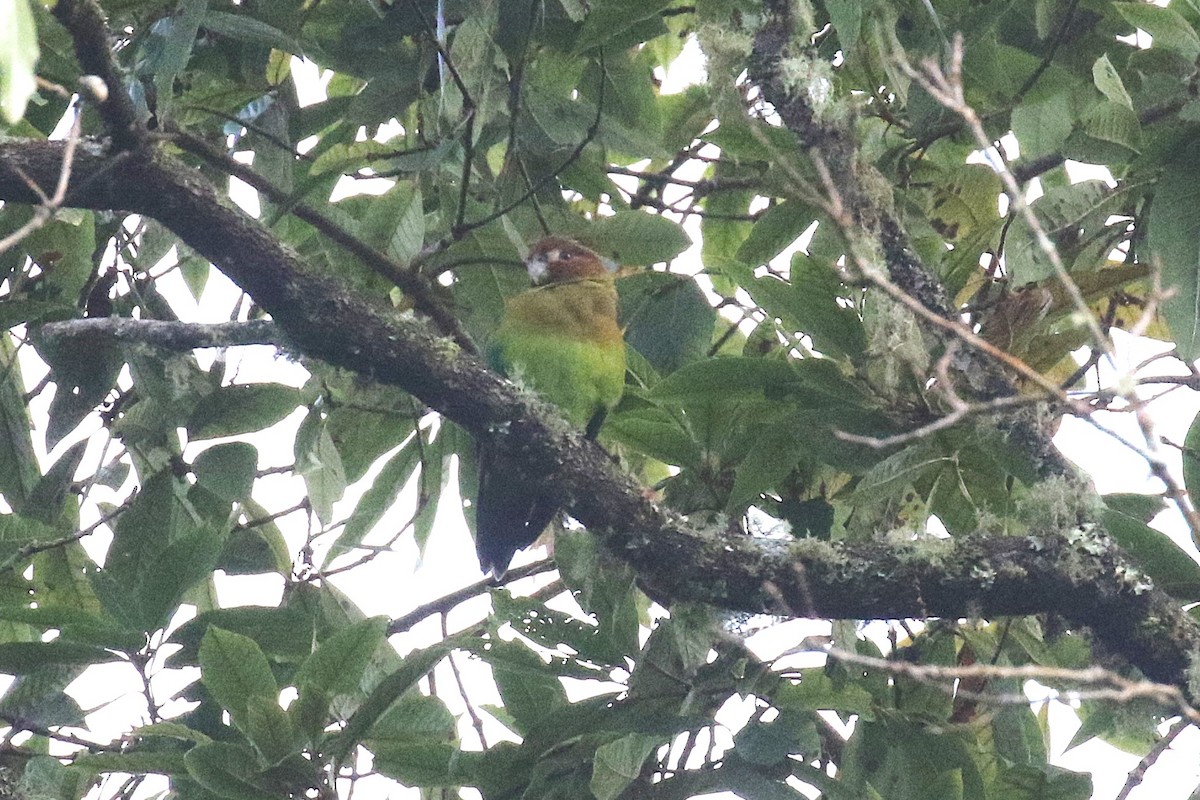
<point>562,340</point>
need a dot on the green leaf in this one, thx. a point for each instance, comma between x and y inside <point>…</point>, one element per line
<point>248,29</point>
<point>774,453</point>
<point>242,408</point>
<point>667,319</point>
<point>18,463</point>
<point>618,763</point>
<point>529,688</point>
<point>1042,126</point>
<point>395,222</point>
<point>46,777</point>
<point>774,231</point>
<point>48,497</point>
<point>1105,76</point>
<point>1022,782</point>
<point>608,20</point>
<point>269,729</point>
<point>338,664</point>
<point>846,16</point>
<point>770,743</point>
<point>19,658</point>
<point>1168,27</point>
<point>227,470</point>
<point>136,763</point>
<point>585,641</point>
<point>284,634</point>
<point>654,432</point>
<point>39,697</point>
<point>234,669</point>
<point>166,51</point>
<point>382,494</point>
<point>225,770</point>
<point>414,717</point>
<point>1168,565</point>
<point>429,765</point>
<point>817,691</point>
<point>724,378</point>
<point>18,55</point>
<point>318,462</point>
<point>414,667</point>
<point>1174,239</point>
<point>635,237</point>
<point>817,300</point>
<point>604,587</point>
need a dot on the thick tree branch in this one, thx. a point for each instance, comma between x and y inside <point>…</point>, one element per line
<point>1077,574</point>
<point>85,21</point>
<point>169,335</point>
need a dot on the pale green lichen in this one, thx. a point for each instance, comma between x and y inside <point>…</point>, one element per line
<point>813,79</point>
<point>896,351</point>
<point>1058,504</point>
<point>817,550</point>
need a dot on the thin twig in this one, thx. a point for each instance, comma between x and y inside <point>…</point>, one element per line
<point>476,720</point>
<point>1138,774</point>
<point>403,623</point>
<point>46,210</point>
<point>1113,686</point>
<point>414,285</point>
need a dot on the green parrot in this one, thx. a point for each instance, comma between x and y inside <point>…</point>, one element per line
<point>561,339</point>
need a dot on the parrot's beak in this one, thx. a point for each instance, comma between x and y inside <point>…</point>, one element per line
<point>538,267</point>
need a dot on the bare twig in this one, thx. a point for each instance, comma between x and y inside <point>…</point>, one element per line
<point>1150,759</point>
<point>445,603</point>
<point>45,211</point>
<point>476,720</point>
<point>414,286</point>
<point>947,88</point>
<point>1112,686</point>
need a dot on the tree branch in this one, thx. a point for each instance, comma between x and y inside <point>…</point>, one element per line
<point>169,335</point>
<point>1077,574</point>
<point>85,21</point>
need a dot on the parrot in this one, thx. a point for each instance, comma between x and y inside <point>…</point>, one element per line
<point>561,339</point>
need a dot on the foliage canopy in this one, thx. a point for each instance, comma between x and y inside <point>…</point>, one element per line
<point>849,347</point>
